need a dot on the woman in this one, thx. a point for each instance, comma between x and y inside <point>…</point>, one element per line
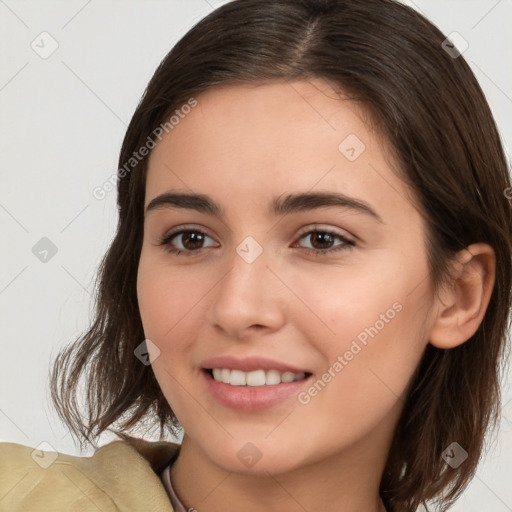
<point>306,277</point>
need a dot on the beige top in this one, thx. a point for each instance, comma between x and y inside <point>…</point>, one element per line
<point>37,480</point>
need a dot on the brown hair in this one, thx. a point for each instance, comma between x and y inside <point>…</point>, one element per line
<point>431,109</point>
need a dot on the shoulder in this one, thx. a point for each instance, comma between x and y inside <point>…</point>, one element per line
<point>120,476</point>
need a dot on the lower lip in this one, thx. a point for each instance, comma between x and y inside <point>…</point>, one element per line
<point>252,398</point>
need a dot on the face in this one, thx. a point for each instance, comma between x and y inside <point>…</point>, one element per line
<point>332,287</point>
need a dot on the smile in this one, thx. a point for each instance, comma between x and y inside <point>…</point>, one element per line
<point>254,378</point>
<point>255,390</point>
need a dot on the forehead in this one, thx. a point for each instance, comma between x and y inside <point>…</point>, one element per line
<point>260,117</point>
<point>272,138</point>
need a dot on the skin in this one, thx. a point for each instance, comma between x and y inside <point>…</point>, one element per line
<point>242,146</point>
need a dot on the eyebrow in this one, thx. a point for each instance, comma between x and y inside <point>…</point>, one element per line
<point>286,205</point>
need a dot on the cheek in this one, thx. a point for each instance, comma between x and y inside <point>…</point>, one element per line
<point>368,324</point>
<point>166,298</point>
<point>166,295</point>
<point>171,302</point>
<point>340,301</point>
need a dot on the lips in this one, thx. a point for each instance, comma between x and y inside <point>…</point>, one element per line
<point>246,397</point>
<point>248,364</point>
<point>249,398</point>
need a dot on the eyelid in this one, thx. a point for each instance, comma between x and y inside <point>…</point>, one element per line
<point>328,229</point>
<point>187,227</point>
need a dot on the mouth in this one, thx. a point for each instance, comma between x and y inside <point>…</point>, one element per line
<point>255,390</point>
<point>254,382</point>
<point>254,378</point>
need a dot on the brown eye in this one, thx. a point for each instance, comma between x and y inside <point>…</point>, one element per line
<point>191,241</point>
<point>322,242</point>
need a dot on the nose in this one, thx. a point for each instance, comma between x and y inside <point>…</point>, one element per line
<point>250,298</point>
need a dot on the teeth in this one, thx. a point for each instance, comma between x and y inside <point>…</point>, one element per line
<point>272,377</point>
<point>254,378</point>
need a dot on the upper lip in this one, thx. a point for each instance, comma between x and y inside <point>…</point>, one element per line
<point>248,364</point>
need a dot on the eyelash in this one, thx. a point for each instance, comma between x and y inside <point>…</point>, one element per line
<point>347,244</point>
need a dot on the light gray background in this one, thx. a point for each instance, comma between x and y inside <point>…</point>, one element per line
<point>62,121</point>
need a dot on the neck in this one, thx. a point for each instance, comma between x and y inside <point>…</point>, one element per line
<point>347,481</point>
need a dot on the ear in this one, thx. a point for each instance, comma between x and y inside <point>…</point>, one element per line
<point>461,306</point>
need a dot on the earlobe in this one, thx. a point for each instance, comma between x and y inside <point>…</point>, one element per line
<point>461,306</point>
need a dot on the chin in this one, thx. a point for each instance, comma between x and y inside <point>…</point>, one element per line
<point>257,459</point>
